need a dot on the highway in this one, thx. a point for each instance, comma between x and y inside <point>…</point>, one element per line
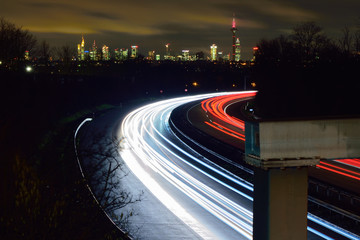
<point>186,196</point>
<point>219,119</point>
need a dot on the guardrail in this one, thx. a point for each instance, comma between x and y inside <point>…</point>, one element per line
<point>125,236</point>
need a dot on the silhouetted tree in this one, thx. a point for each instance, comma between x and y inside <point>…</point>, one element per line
<point>65,53</point>
<point>44,51</point>
<point>301,75</point>
<point>280,49</point>
<point>104,173</point>
<point>357,39</point>
<point>14,41</point>
<point>346,41</point>
<point>310,40</point>
<point>357,42</point>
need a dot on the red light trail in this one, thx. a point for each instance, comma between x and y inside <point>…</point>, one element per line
<point>339,170</point>
<point>216,109</point>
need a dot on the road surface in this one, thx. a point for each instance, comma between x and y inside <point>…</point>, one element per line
<point>185,196</point>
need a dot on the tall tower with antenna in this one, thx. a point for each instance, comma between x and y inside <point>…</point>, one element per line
<point>233,30</point>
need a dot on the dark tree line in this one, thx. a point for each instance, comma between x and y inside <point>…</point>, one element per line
<point>44,197</point>
<point>14,41</point>
<point>307,74</point>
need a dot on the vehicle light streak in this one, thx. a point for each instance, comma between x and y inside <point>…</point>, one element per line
<point>216,106</point>
<point>212,106</point>
<point>332,227</point>
<point>163,196</point>
<point>226,130</point>
<point>150,154</point>
<point>320,234</point>
<point>341,171</point>
<point>351,162</point>
<point>139,125</point>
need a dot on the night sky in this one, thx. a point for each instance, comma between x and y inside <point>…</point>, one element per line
<point>185,24</point>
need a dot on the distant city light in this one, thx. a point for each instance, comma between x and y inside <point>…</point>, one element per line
<point>213,52</point>
<point>121,54</point>
<point>28,69</point>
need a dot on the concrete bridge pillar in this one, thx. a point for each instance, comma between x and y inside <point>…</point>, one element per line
<point>281,152</point>
<point>280,204</point>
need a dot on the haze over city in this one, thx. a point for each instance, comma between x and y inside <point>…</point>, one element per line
<point>193,25</point>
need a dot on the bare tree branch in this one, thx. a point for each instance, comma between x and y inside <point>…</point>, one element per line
<point>104,172</point>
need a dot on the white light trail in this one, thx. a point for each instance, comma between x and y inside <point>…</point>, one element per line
<point>140,125</point>
<point>150,154</point>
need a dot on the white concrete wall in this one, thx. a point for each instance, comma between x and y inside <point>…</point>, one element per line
<point>335,138</point>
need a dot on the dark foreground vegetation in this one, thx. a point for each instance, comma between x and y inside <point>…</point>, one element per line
<point>308,74</point>
<point>42,193</point>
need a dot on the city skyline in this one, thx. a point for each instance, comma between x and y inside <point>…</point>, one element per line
<point>183,24</point>
<point>122,52</point>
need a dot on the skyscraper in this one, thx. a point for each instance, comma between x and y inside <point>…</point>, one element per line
<point>186,55</point>
<point>105,53</point>
<point>167,54</point>
<point>124,54</point>
<point>94,52</point>
<point>134,51</point>
<point>213,52</point>
<point>81,49</point>
<point>237,50</point>
<point>117,54</point>
<point>151,55</point>
<point>233,30</point>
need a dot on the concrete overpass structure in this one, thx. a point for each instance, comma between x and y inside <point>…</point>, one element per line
<point>281,152</point>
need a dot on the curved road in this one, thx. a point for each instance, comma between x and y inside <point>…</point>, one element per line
<point>182,180</point>
<point>185,195</point>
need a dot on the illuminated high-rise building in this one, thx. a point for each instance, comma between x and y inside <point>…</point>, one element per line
<point>134,52</point>
<point>117,54</point>
<point>220,56</point>
<point>94,52</point>
<point>233,30</point>
<point>237,50</point>
<point>105,53</point>
<point>81,49</point>
<point>151,55</point>
<point>167,54</point>
<point>213,52</point>
<point>227,57</point>
<point>124,54</point>
<point>186,55</point>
